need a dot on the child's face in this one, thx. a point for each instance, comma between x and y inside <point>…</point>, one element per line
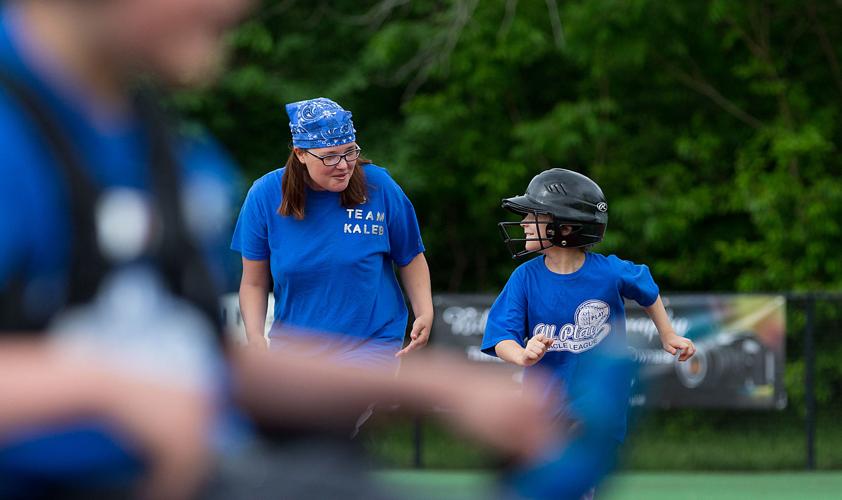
<point>533,227</point>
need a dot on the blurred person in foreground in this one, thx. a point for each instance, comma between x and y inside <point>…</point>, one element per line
<point>108,220</point>
<point>561,316</point>
<point>117,379</point>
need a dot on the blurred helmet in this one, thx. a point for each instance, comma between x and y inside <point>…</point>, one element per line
<point>570,199</point>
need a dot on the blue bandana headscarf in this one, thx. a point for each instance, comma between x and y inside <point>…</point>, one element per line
<point>319,123</point>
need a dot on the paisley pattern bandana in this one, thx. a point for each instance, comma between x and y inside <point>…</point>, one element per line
<point>319,123</point>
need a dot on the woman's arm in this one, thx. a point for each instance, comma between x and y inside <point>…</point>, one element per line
<point>669,339</point>
<point>254,297</point>
<point>416,281</point>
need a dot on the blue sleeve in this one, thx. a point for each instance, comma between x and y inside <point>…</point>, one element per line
<point>636,283</point>
<point>251,236</point>
<point>404,234</point>
<point>507,317</point>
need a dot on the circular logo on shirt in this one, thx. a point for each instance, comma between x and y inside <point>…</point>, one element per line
<point>591,326</point>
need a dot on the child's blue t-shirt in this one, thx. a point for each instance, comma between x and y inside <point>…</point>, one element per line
<point>584,313</point>
<point>332,270</point>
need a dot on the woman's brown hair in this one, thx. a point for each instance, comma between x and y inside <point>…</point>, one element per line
<point>296,179</point>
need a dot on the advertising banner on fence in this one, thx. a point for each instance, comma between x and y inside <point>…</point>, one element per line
<point>740,340</point>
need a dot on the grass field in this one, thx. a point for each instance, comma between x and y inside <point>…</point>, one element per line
<point>747,455</point>
<point>451,485</point>
<point>676,441</point>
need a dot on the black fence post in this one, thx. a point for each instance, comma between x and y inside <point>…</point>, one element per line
<point>419,439</point>
<point>809,381</point>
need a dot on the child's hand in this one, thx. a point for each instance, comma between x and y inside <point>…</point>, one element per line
<point>672,341</point>
<point>535,349</point>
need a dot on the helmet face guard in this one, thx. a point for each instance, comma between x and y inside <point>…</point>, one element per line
<point>582,234</point>
<point>517,246</point>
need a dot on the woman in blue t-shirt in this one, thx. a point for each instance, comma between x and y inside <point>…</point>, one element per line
<point>327,229</point>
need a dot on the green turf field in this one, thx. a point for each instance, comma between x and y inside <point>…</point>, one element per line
<point>721,441</point>
<point>638,485</point>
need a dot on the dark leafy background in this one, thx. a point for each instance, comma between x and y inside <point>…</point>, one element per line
<point>712,126</point>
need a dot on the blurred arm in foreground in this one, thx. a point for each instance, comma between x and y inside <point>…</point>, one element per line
<point>40,387</point>
<point>169,426</point>
<point>487,405</point>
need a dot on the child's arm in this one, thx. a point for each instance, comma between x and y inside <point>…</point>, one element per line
<point>669,339</point>
<point>511,351</point>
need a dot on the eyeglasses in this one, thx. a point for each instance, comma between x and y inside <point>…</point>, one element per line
<point>333,160</point>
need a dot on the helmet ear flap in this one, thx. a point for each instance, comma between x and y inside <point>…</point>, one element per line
<point>554,234</point>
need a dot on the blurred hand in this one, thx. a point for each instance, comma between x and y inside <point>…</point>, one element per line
<point>673,342</point>
<point>171,428</point>
<point>535,349</point>
<point>165,423</point>
<point>516,424</point>
<point>485,404</point>
<point>260,343</point>
<point>419,335</point>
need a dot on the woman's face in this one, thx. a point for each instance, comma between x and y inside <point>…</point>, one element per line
<point>329,178</point>
<point>533,227</point>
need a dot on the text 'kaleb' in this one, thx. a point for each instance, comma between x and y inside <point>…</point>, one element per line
<point>368,226</point>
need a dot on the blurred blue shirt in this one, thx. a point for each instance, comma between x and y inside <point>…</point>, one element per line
<point>35,234</point>
<point>34,218</point>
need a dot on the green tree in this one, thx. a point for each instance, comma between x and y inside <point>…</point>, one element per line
<point>713,127</point>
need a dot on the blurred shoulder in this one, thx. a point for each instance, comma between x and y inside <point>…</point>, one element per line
<point>202,154</point>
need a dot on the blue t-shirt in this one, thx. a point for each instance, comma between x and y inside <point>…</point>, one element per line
<point>584,313</point>
<point>35,231</point>
<point>333,270</point>
<point>35,224</point>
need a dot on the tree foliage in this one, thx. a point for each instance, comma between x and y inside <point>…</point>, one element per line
<point>713,127</point>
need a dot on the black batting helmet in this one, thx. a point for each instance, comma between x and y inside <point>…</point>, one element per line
<point>571,199</point>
